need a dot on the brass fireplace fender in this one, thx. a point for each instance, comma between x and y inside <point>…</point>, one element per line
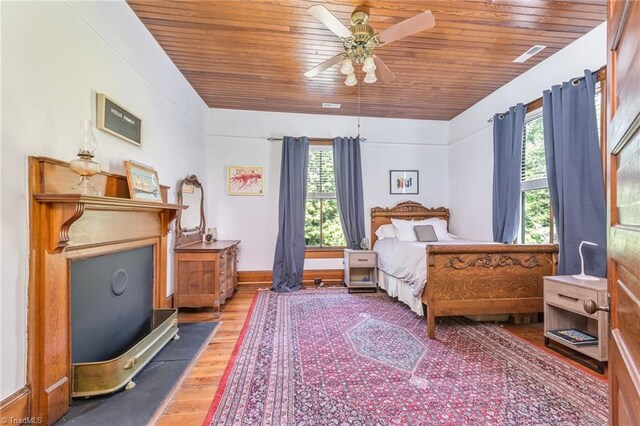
<point>99,378</point>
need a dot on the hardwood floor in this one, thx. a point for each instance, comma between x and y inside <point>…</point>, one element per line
<point>191,402</point>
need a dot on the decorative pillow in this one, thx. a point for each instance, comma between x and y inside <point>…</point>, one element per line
<point>386,231</point>
<point>405,232</point>
<point>425,233</point>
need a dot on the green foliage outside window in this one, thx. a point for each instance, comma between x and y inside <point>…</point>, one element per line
<point>322,226</point>
<point>534,159</point>
<point>536,205</point>
<point>537,216</point>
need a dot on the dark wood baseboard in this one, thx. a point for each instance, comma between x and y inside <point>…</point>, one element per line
<point>15,408</point>
<point>332,276</point>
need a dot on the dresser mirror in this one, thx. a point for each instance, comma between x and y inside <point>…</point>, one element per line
<point>190,224</point>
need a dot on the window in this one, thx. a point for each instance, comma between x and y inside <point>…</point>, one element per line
<point>536,224</point>
<point>322,227</point>
<point>537,220</point>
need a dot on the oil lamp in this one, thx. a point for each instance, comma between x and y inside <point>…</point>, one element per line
<point>84,164</point>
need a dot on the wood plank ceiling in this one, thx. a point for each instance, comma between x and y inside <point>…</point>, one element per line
<point>252,54</point>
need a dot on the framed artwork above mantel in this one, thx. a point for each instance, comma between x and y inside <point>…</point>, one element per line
<point>143,182</point>
<point>118,121</point>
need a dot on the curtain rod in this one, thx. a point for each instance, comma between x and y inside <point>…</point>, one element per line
<point>601,74</point>
<point>272,139</point>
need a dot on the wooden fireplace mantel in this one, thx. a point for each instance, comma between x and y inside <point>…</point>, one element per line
<point>65,227</point>
<point>71,207</point>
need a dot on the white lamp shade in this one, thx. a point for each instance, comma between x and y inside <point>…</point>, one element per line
<point>370,77</point>
<point>347,66</point>
<point>351,80</point>
<point>369,65</point>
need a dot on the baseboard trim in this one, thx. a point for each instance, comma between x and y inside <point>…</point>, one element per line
<point>15,407</point>
<point>266,277</point>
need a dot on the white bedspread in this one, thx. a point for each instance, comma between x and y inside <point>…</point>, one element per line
<point>407,260</point>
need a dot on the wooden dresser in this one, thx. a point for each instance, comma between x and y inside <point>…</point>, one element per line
<point>206,274</point>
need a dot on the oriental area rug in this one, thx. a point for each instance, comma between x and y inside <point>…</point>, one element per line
<point>326,357</point>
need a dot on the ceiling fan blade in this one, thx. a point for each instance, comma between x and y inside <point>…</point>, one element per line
<point>383,70</point>
<point>323,66</point>
<point>329,20</point>
<point>414,25</point>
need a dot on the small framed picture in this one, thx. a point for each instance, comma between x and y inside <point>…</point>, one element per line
<point>245,180</point>
<point>403,181</point>
<point>143,182</point>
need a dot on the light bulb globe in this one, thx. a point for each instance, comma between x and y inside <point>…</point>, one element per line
<point>370,77</point>
<point>351,80</point>
<point>347,66</point>
<point>369,64</point>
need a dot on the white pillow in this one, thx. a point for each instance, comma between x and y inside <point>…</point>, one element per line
<point>386,231</point>
<point>404,229</point>
<point>440,227</point>
<point>405,232</point>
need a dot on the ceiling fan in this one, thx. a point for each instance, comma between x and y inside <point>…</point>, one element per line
<point>360,40</point>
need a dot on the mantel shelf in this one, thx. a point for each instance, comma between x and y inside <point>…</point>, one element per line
<point>106,202</point>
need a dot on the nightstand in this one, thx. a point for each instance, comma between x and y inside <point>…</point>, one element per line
<point>564,300</point>
<point>360,269</point>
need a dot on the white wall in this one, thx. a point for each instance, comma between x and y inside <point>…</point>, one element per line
<point>239,138</point>
<point>471,136</point>
<point>55,56</point>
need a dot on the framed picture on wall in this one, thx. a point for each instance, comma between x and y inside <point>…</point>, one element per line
<point>245,180</point>
<point>403,181</point>
<point>118,121</point>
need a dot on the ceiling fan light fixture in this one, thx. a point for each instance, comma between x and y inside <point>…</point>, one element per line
<point>347,66</point>
<point>368,65</point>
<point>370,77</point>
<point>351,80</point>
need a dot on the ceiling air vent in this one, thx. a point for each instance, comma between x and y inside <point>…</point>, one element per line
<point>529,53</point>
<point>330,105</point>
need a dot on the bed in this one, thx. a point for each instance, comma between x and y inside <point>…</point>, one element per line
<point>462,277</point>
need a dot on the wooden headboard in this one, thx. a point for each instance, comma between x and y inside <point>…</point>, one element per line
<point>409,210</point>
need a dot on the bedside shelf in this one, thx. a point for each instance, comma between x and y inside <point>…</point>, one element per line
<point>564,297</point>
<point>358,265</point>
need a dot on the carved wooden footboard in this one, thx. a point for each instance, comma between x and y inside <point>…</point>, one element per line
<point>475,279</point>
<point>486,279</point>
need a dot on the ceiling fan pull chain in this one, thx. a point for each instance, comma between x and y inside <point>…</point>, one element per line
<point>358,111</point>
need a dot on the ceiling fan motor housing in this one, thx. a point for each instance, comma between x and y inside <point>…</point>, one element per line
<point>363,40</point>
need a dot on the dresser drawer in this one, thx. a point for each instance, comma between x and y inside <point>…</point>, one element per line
<point>569,297</point>
<point>362,260</point>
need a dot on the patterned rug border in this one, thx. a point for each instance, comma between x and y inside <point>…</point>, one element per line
<point>227,372</point>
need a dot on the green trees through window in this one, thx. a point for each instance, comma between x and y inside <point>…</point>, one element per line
<point>322,226</point>
<point>536,204</point>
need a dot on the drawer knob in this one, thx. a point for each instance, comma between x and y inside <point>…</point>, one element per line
<point>591,307</point>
